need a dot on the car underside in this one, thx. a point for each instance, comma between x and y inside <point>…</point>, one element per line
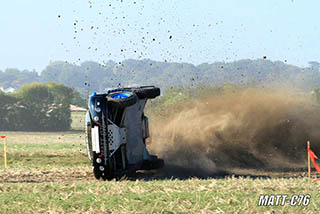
<point>116,132</point>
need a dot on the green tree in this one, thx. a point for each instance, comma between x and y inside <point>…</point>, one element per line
<point>37,107</point>
<point>7,112</point>
<point>36,100</point>
<point>78,100</point>
<point>59,112</point>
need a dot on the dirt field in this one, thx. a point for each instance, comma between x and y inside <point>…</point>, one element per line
<point>61,157</point>
<point>50,173</point>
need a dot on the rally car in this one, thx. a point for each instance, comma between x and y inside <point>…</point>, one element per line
<point>116,132</point>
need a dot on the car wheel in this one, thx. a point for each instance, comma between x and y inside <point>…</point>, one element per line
<point>122,99</point>
<point>97,173</point>
<point>88,136</point>
<point>148,92</point>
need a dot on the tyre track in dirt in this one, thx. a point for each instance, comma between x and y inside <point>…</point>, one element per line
<point>84,174</point>
<point>34,175</point>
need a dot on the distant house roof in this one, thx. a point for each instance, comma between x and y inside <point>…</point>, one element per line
<point>77,108</point>
<point>7,90</point>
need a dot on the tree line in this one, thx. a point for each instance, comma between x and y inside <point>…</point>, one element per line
<point>92,76</point>
<point>36,107</point>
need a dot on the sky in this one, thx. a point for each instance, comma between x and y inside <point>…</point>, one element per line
<point>35,32</point>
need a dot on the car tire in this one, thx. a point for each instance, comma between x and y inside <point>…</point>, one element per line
<point>153,163</point>
<point>122,99</point>
<point>88,136</point>
<point>96,172</point>
<point>148,92</point>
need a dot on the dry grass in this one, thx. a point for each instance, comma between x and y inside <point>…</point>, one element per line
<point>50,173</point>
<point>230,195</point>
<point>78,120</point>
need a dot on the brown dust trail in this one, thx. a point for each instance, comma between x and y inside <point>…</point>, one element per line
<point>249,129</point>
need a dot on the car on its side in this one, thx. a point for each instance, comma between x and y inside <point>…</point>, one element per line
<point>116,132</point>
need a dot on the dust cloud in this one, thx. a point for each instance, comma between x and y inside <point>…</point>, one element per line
<point>251,128</point>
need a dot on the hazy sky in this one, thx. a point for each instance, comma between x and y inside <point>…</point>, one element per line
<point>35,32</point>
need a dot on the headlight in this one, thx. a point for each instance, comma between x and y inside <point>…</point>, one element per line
<point>98,109</point>
<point>96,118</point>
